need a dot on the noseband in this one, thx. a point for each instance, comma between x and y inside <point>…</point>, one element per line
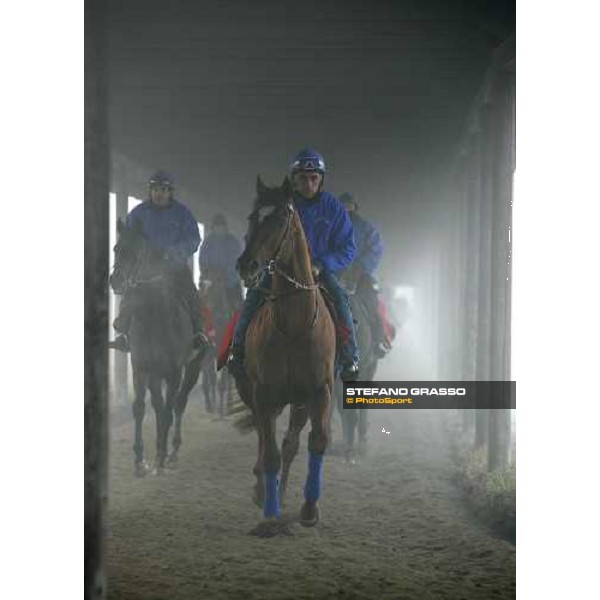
<point>272,268</point>
<point>133,281</point>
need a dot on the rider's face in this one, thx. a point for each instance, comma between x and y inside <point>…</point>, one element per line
<point>160,194</point>
<point>307,183</point>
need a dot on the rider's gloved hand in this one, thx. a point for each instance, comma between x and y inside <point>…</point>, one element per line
<point>316,269</point>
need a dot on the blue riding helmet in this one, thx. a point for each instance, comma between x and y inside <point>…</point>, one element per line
<point>308,160</point>
<point>162,178</point>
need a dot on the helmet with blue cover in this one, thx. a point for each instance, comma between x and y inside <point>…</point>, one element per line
<point>308,160</point>
<point>161,177</point>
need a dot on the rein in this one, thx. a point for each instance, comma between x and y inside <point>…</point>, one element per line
<point>273,268</point>
<point>133,281</point>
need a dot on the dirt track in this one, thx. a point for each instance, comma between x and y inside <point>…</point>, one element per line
<point>393,526</point>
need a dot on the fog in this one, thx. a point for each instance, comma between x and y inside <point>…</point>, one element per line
<point>397,97</point>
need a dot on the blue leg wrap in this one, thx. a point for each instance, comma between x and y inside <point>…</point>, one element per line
<point>312,489</point>
<point>271,508</point>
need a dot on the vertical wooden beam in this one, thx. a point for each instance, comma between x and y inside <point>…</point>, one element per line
<point>502,133</point>
<point>121,360</point>
<point>96,297</point>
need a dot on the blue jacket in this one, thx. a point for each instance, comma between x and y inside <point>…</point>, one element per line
<point>172,228</point>
<point>218,255</point>
<point>368,243</point>
<point>328,230</point>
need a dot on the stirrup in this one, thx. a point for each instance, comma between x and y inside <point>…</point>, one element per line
<point>349,372</point>
<point>200,341</point>
<point>380,349</point>
<point>120,343</point>
<point>235,362</point>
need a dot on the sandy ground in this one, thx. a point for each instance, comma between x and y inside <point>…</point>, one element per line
<point>393,526</point>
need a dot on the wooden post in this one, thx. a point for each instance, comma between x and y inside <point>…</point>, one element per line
<point>502,135</point>
<point>121,360</point>
<point>96,298</point>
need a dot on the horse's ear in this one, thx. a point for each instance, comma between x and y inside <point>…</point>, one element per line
<point>286,187</point>
<point>261,188</point>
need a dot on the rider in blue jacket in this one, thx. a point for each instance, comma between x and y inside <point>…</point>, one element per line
<point>172,229</point>
<point>330,238</point>
<point>218,255</point>
<point>369,247</point>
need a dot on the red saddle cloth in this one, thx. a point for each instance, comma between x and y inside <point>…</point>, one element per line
<point>225,342</point>
<point>388,329</point>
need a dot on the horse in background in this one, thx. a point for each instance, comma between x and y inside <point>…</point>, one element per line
<point>216,386</point>
<point>290,350</point>
<point>161,342</point>
<point>353,420</point>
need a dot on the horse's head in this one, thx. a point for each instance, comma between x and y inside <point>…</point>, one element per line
<point>129,252</point>
<point>268,225</point>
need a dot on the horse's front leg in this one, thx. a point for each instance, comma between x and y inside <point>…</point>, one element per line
<point>349,421</point>
<point>318,411</point>
<point>140,468</point>
<point>190,378</point>
<point>258,495</point>
<point>291,441</point>
<point>266,416</point>
<point>223,393</point>
<point>173,385</point>
<point>159,410</point>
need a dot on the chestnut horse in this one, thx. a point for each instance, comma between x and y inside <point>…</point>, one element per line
<point>290,353</point>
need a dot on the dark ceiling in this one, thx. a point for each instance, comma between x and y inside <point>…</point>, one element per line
<point>218,92</point>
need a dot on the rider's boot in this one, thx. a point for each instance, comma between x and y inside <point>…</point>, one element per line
<point>200,340</point>
<point>349,365</point>
<point>381,345</point>
<point>254,299</point>
<point>235,362</point>
<point>349,371</point>
<point>120,343</point>
<point>121,325</point>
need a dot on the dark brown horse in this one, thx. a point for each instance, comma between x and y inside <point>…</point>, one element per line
<point>161,342</point>
<point>290,352</point>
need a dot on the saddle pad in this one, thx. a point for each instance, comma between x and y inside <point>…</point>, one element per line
<point>225,342</point>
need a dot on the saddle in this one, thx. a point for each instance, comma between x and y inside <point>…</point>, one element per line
<point>340,330</point>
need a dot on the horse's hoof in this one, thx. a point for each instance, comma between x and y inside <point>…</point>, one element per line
<point>159,469</point>
<point>271,528</point>
<point>309,514</point>
<point>173,459</point>
<point>362,448</point>
<point>141,469</point>
<point>350,459</point>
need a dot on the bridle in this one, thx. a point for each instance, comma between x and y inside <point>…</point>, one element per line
<point>133,280</point>
<point>272,268</point>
